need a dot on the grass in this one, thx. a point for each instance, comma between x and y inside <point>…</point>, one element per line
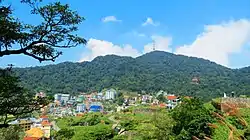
<point>221,132</point>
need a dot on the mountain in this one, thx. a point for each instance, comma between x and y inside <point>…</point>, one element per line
<point>150,72</point>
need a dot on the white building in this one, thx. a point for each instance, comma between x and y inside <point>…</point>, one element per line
<point>110,94</point>
<point>41,94</point>
<point>172,101</point>
<point>62,97</point>
<point>99,96</point>
<point>80,108</point>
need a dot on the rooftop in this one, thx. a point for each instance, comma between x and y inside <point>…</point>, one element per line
<point>35,133</point>
<point>171,97</point>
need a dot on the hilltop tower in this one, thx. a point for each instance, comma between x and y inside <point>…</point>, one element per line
<point>153,45</point>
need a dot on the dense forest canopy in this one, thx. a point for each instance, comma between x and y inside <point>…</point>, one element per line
<point>150,72</point>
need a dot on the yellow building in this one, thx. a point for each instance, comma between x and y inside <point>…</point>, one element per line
<point>34,133</point>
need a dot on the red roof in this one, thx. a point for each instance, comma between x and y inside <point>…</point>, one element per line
<point>43,117</point>
<point>162,105</point>
<point>171,97</point>
<point>30,138</point>
<point>45,122</point>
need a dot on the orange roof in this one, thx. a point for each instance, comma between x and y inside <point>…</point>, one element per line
<point>45,122</point>
<point>30,138</point>
<point>171,97</point>
<point>35,133</point>
<point>43,116</point>
<point>162,105</point>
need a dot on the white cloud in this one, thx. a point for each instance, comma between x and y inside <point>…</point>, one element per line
<point>110,19</point>
<point>217,42</point>
<point>149,21</point>
<point>160,43</point>
<point>102,48</point>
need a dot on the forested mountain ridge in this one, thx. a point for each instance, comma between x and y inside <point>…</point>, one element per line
<point>150,72</point>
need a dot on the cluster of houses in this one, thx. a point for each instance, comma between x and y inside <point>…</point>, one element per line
<point>35,128</point>
<point>67,105</point>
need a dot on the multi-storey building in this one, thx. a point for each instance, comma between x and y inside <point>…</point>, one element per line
<point>110,94</point>
<point>80,108</point>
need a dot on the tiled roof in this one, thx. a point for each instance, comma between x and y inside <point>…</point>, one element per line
<point>162,105</point>
<point>30,138</point>
<point>171,97</point>
<point>44,116</point>
<point>35,133</point>
<point>45,123</point>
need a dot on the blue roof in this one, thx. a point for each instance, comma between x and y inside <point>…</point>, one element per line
<point>95,108</point>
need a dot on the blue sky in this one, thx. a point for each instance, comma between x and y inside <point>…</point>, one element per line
<point>218,30</point>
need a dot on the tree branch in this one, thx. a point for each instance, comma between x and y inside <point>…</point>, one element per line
<point>42,58</point>
<point>54,32</point>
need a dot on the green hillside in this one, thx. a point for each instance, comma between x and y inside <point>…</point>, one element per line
<point>150,72</point>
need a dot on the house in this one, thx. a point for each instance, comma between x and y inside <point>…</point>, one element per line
<point>96,107</point>
<point>100,96</point>
<point>155,102</point>
<point>172,101</point>
<point>110,94</point>
<point>40,94</point>
<point>39,130</point>
<point>62,98</point>
<point>71,102</point>
<point>146,98</point>
<point>80,99</point>
<point>46,128</point>
<point>195,80</point>
<point>80,108</point>
<point>34,134</point>
<point>43,124</point>
<point>25,123</point>
<point>36,129</point>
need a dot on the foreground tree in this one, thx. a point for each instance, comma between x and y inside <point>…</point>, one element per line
<point>11,133</point>
<point>192,120</point>
<point>42,41</point>
<point>64,134</point>
<point>164,124</point>
<point>14,99</point>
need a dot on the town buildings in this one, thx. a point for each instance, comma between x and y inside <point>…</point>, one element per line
<point>40,94</point>
<point>172,101</point>
<point>146,99</point>
<point>110,94</point>
<point>24,123</point>
<point>80,99</point>
<point>35,128</point>
<point>80,108</point>
<point>62,97</point>
<point>96,107</point>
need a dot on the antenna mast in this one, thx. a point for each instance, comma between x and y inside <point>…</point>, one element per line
<point>153,45</point>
